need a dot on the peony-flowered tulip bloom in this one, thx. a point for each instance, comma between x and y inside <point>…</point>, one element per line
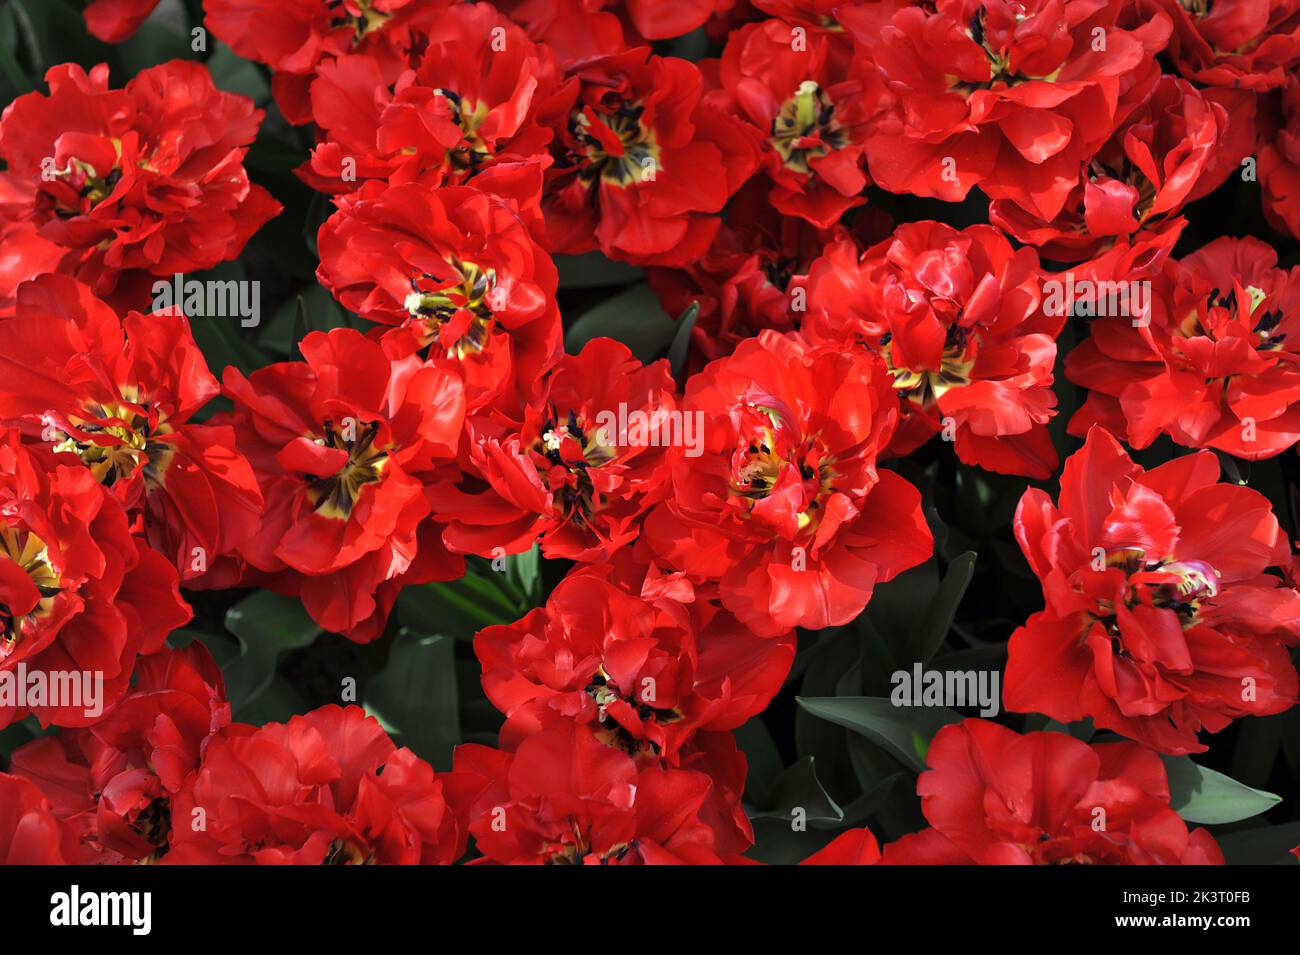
<point>590,457</point>
<point>326,788</point>
<point>639,672</point>
<point>483,95</point>
<point>1161,616</point>
<point>458,275</point>
<point>810,109</point>
<point>81,598</point>
<point>958,318</point>
<point>565,798</point>
<point>129,184</point>
<point>1014,98</point>
<point>994,797</point>
<point>784,508</point>
<point>642,164</point>
<point>338,442</point>
<point>119,396</point>
<point>1180,145</point>
<point>1214,363</point>
<point>1237,44</point>
<point>114,781</point>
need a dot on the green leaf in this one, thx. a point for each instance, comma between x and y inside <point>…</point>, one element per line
<point>523,572</point>
<point>414,696</point>
<point>234,74</point>
<point>814,736</point>
<point>681,346</point>
<point>16,735</point>
<point>896,609</point>
<point>458,608</point>
<point>925,641</point>
<point>990,657</point>
<point>218,339</point>
<point>275,156</point>
<point>904,731</point>
<point>55,32</point>
<point>877,798</point>
<point>267,626</point>
<point>693,46</point>
<point>594,270</point>
<point>920,746</point>
<point>1259,740</point>
<point>151,45</point>
<point>1205,796</point>
<point>633,317</point>
<point>798,788</point>
<point>312,309</point>
<point>776,843</point>
<point>222,339</point>
<point>13,71</point>
<point>760,751</point>
<point>318,211</point>
<point>1263,845</point>
<point>316,310</point>
<point>279,702</point>
<point>222,648</point>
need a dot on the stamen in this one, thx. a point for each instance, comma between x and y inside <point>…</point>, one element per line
<point>335,496</point>
<point>32,555</point>
<point>459,314</point>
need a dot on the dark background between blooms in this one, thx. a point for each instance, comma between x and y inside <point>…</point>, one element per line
<point>422,681</point>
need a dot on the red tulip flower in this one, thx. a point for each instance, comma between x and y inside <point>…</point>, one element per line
<point>590,457</point>
<point>457,273</point>
<point>784,507</point>
<point>1161,617</point>
<point>326,788</point>
<point>994,797</point>
<point>128,184</point>
<point>1012,98</point>
<point>1214,366</point>
<point>638,672</point>
<point>958,318</point>
<point>79,594</point>
<point>119,397</point>
<point>339,443</point>
<point>115,781</point>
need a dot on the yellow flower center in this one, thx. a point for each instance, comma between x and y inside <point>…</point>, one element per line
<point>30,553</point>
<point>335,496</point>
<point>461,311</point>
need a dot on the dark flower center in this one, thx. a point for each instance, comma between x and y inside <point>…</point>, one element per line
<point>1001,73</point>
<point>564,450</point>
<point>605,691</point>
<point>472,150</point>
<point>32,556</point>
<point>365,22</point>
<point>615,146</point>
<point>925,386</point>
<point>805,128</point>
<point>78,188</point>
<point>344,852</point>
<point>336,495</point>
<point>114,440</point>
<point>772,451</point>
<point>154,824</point>
<point>1225,316</point>
<point>1178,586</point>
<point>1129,174</point>
<point>565,852</point>
<point>457,313</point>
